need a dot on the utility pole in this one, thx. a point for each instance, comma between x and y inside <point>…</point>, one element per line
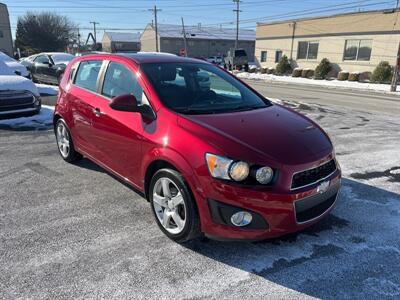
<point>237,10</point>
<point>293,34</point>
<point>184,37</point>
<point>94,31</point>
<point>155,10</point>
<point>395,77</point>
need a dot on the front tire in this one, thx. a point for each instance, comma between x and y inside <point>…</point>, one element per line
<point>64,142</point>
<point>173,206</point>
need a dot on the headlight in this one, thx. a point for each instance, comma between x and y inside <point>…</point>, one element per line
<point>264,175</point>
<point>239,170</point>
<point>228,169</point>
<point>218,166</point>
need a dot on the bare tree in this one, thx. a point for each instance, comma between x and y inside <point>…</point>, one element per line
<point>44,31</point>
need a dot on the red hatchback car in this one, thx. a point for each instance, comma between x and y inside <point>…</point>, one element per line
<point>210,154</point>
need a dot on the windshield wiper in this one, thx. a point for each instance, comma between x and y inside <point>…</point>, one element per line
<point>194,111</point>
<point>247,107</point>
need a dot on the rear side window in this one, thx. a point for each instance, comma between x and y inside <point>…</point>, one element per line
<point>87,74</point>
<point>119,80</point>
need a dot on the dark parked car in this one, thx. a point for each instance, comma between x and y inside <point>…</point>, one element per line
<point>47,67</point>
<point>211,156</point>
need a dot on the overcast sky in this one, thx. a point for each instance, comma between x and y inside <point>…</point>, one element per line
<point>133,15</point>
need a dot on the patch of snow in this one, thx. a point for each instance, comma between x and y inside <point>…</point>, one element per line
<point>13,65</point>
<point>48,90</point>
<point>385,88</point>
<point>5,70</point>
<point>43,119</point>
<point>15,82</point>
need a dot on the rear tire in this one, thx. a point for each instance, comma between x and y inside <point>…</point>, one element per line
<point>173,206</point>
<point>64,142</point>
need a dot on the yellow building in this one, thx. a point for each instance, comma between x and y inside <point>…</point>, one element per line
<point>351,41</point>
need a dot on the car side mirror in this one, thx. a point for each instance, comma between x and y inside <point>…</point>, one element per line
<point>129,103</point>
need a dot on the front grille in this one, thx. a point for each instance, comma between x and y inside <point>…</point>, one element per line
<point>12,100</point>
<point>311,176</point>
<point>309,211</point>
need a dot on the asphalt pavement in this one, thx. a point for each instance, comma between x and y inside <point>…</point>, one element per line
<point>74,231</point>
<point>366,101</point>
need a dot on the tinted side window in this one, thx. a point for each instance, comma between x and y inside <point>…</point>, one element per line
<point>119,80</point>
<point>42,59</point>
<point>87,74</point>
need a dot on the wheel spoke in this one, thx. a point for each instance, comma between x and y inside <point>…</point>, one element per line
<point>177,200</point>
<point>161,201</point>
<point>166,218</point>
<point>165,187</point>
<point>178,220</point>
<point>59,131</point>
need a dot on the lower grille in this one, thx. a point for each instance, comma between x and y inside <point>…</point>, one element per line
<point>307,177</point>
<point>314,206</point>
<point>13,100</point>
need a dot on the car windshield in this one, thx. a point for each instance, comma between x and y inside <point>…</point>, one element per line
<point>198,88</point>
<point>61,58</point>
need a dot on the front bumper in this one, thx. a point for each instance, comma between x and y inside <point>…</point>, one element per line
<point>280,213</point>
<point>18,103</point>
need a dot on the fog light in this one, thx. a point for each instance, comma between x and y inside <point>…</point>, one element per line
<point>241,218</point>
<point>264,175</point>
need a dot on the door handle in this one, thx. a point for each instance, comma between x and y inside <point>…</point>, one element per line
<point>97,112</point>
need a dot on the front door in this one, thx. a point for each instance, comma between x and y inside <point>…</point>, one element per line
<point>119,134</point>
<point>40,64</point>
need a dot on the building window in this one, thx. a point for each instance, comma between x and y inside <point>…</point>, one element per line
<point>191,43</point>
<point>263,56</point>
<point>1,34</point>
<point>307,50</point>
<point>278,56</point>
<point>357,50</point>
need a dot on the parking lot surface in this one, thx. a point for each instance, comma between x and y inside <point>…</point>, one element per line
<point>74,231</point>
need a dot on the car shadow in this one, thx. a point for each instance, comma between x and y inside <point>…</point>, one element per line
<point>345,251</point>
<point>89,165</point>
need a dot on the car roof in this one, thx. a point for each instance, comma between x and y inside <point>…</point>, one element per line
<point>147,57</point>
<point>53,53</point>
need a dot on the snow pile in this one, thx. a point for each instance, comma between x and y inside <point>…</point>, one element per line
<point>13,65</point>
<point>5,70</point>
<point>18,83</point>
<point>385,88</point>
<point>43,120</point>
<point>47,90</point>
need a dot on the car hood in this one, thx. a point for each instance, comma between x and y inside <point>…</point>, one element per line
<point>275,133</point>
<point>17,83</point>
<point>15,66</point>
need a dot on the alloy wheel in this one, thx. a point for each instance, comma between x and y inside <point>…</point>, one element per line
<point>169,205</point>
<point>63,140</point>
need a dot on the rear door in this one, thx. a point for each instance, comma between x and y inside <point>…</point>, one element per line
<point>119,134</point>
<point>83,99</point>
